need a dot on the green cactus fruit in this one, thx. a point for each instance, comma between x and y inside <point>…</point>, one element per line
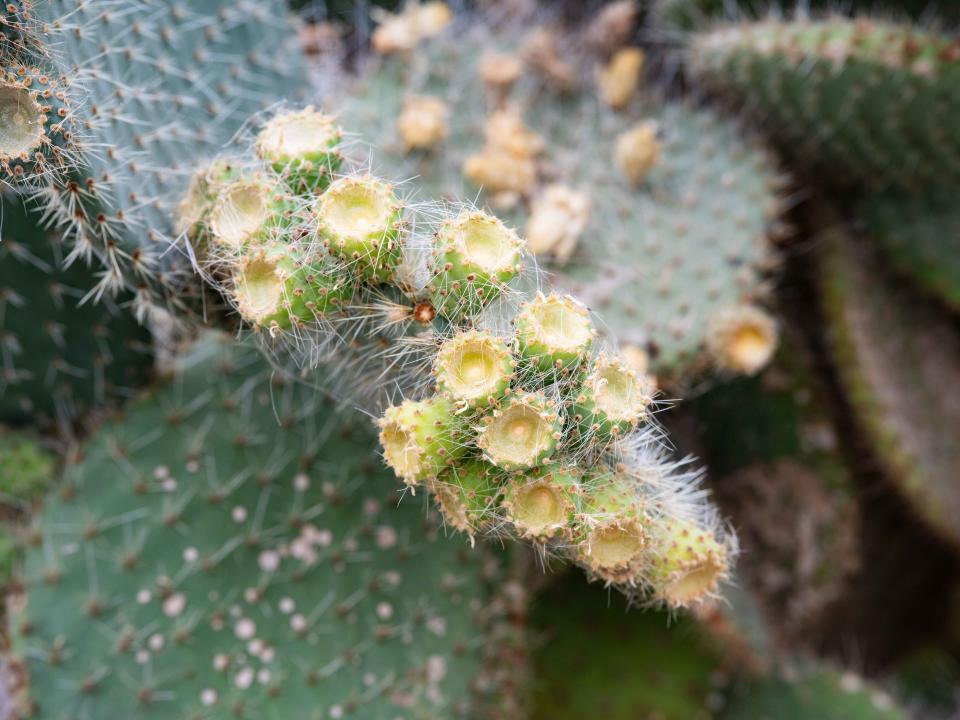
<point>554,332</point>
<point>247,211</point>
<point>896,353</point>
<point>474,257</point>
<point>832,92</point>
<point>643,664</point>
<point>611,528</point>
<point>152,91</point>
<point>474,368</point>
<point>421,439</point>
<point>814,693</point>
<point>689,563</point>
<point>302,147</point>
<point>920,236</point>
<point>37,136</point>
<point>360,221</point>
<point>658,259</point>
<point>522,433</point>
<point>778,471</point>
<point>540,504</point>
<point>274,289</point>
<point>26,470</point>
<point>228,548</point>
<point>60,354</point>
<point>467,495</point>
<point>613,399</point>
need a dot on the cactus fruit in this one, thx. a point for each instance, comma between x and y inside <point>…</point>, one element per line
<point>130,96</point>
<point>742,340</point>
<point>677,233</point>
<point>896,353</point>
<point>832,91</point>
<point>210,561</point>
<point>508,407</point>
<point>814,693</point>
<point>60,355</point>
<point>920,237</point>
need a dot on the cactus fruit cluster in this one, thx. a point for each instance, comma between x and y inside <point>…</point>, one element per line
<point>654,212</point>
<point>513,413</point>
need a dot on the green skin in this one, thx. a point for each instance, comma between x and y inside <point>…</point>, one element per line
<point>476,486</point>
<point>437,433</point>
<point>176,113</point>
<point>845,118</point>
<point>310,173</point>
<point>312,287</point>
<point>371,603</point>
<point>60,357</point>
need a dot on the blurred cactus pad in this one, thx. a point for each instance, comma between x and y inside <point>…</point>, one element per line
<point>229,547</point>
<point>656,213</point>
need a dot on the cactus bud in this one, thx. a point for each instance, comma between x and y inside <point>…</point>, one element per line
<point>360,220</point>
<point>500,71</point>
<point>467,494</point>
<point>422,124</point>
<point>522,434</point>
<point>21,122</point>
<point>474,257</point>
<point>475,368</point>
<point>540,506</point>
<point>302,147</point>
<point>554,332</point>
<point>637,150</point>
<point>619,79</point>
<point>557,220</point>
<point>612,540</point>
<point>420,439</point>
<point>242,210</point>
<point>743,339</point>
<point>275,289</point>
<point>613,399</point>
<point>689,563</point>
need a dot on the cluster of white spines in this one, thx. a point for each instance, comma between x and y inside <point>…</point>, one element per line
<point>515,418</point>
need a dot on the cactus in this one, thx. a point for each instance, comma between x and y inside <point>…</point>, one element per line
<point>511,413</point>
<point>27,468</point>
<point>645,189</point>
<point>228,547</point>
<point>920,237</point>
<point>60,355</point>
<point>882,335</point>
<point>813,693</point>
<point>832,92</point>
<point>109,137</point>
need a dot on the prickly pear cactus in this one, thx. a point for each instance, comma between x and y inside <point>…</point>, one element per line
<point>896,353</point>
<point>813,693</point>
<point>861,100</point>
<point>655,213</point>
<point>60,352</point>
<point>920,237</point>
<point>109,107</point>
<point>228,547</point>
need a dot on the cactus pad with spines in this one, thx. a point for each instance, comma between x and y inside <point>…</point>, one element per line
<point>897,355</point>
<point>228,548</point>
<point>656,261</point>
<point>153,88</point>
<point>864,101</point>
<point>58,355</point>
<point>920,237</point>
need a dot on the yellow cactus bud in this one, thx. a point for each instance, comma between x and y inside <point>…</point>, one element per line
<point>500,71</point>
<point>557,220</point>
<point>422,124</point>
<point>619,79</point>
<point>688,564</point>
<point>742,340</point>
<point>637,150</point>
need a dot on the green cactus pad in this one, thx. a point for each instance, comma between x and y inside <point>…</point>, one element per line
<point>866,101</point>
<point>155,89</point>
<point>819,693</point>
<point>656,261</point>
<point>228,548</point>
<point>921,239</point>
<point>60,355</point>
<point>897,355</point>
